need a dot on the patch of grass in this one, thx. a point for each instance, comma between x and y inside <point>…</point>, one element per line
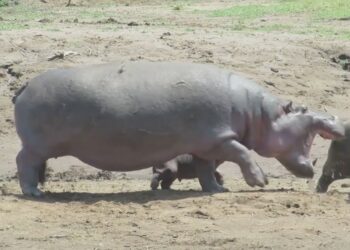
<point>276,27</point>
<point>242,11</point>
<point>53,29</point>
<point>3,3</point>
<point>26,13</point>
<point>12,26</point>
<point>92,14</point>
<point>240,25</point>
<point>320,9</point>
<point>327,32</point>
<point>178,7</point>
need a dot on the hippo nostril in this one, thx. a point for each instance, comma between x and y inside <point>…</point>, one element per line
<point>314,162</point>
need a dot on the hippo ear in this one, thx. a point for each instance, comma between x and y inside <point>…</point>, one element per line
<point>304,109</point>
<point>329,127</point>
<point>288,107</point>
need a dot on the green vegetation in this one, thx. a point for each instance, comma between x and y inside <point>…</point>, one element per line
<point>314,13</point>
<point>32,13</point>
<point>275,27</point>
<point>318,17</point>
<point>177,7</point>
<point>11,26</point>
<point>319,9</point>
<point>3,3</point>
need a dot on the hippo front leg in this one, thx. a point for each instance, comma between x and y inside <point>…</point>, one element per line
<point>323,183</point>
<point>238,153</point>
<point>332,171</point>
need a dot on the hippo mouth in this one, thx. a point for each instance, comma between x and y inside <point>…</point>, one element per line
<point>300,164</point>
<point>328,136</point>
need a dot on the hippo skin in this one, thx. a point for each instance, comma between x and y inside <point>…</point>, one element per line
<point>132,115</point>
<point>337,165</point>
<point>181,167</point>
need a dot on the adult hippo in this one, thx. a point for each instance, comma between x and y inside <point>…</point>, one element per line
<point>128,116</point>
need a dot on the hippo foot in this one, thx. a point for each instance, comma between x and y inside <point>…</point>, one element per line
<point>214,189</point>
<point>165,185</point>
<point>154,183</point>
<point>32,191</point>
<point>219,178</point>
<point>323,183</point>
<point>256,178</point>
<point>321,189</point>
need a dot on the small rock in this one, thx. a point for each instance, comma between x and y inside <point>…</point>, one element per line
<point>132,23</point>
<point>274,70</point>
<point>111,20</point>
<point>4,190</point>
<point>10,121</point>
<point>44,20</point>
<point>345,185</point>
<point>165,34</point>
<point>6,65</point>
<point>58,236</point>
<point>76,20</point>
<point>296,205</point>
<point>14,73</point>
<point>2,74</point>
<point>270,83</point>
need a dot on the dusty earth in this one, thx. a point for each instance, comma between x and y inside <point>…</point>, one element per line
<point>87,209</point>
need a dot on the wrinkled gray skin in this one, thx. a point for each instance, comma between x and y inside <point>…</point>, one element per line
<point>181,167</point>
<point>337,165</point>
<point>129,116</point>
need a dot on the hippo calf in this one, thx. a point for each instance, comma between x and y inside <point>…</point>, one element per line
<point>181,167</point>
<point>132,115</point>
<point>337,165</point>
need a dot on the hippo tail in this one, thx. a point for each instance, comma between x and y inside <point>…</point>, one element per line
<point>19,92</point>
<point>42,172</point>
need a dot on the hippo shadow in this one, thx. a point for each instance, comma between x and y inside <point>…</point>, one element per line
<point>140,197</point>
<point>275,190</point>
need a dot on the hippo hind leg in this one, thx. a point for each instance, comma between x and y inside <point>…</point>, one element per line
<point>205,170</point>
<point>219,178</point>
<point>31,171</point>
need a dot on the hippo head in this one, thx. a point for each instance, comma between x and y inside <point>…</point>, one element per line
<point>292,134</point>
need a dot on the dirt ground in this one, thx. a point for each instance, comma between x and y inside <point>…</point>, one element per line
<point>87,209</point>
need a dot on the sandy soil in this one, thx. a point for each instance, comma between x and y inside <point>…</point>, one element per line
<point>87,209</point>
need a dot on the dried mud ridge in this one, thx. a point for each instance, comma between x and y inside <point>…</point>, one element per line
<point>73,174</point>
